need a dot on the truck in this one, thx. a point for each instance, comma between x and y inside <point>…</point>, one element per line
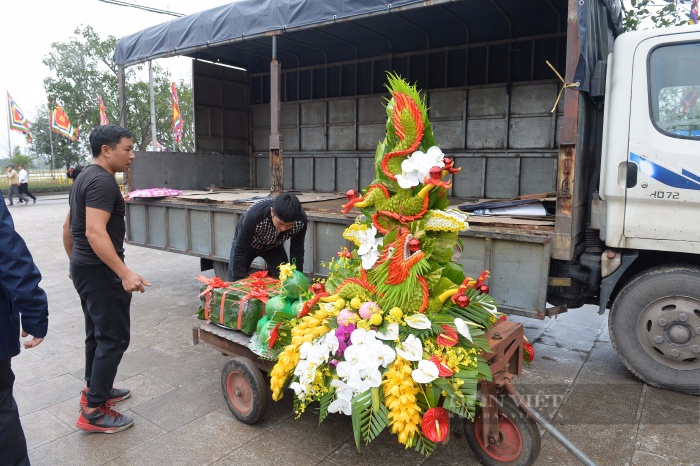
<point>529,98</point>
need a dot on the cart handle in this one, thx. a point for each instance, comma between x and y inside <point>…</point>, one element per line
<point>580,455</point>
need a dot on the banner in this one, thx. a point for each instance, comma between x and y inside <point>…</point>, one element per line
<point>17,120</point>
<point>60,124</point>
<point>177,121</point>
<point>103,113</point>
<point>694,12</point>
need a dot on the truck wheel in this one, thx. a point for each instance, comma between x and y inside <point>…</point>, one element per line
<point>244,389</point>
<point>221,269</point>
<point>654,327</point>
<point>520,440</point>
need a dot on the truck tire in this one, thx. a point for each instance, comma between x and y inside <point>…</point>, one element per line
<point>654,327</point>
<point>221,269</point>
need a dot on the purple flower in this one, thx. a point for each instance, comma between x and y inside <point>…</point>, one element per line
<point>343,334</point>
<point>333,363</point>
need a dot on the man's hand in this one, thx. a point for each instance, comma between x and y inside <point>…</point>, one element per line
<point>134,282</point>
<point>33,343</point>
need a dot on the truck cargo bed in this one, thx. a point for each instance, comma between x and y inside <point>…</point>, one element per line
<point>202,223</point>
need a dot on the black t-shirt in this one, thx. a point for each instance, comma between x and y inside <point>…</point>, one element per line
<point>95,188</point>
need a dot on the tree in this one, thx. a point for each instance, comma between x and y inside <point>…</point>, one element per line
<point>18,158</point>
<point>83,71</point>
<point>66,152</point>
<point>655,13</point>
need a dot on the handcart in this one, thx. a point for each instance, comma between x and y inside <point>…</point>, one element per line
<point>504,430</point>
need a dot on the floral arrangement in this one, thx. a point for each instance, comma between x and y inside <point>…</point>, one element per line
<point>394,336</point>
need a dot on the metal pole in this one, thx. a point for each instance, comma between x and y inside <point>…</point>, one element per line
<point>276,166</point>
<point>9,123</point>
<point>153,105</point>
<point>51,143</point>
<point>121,78</point>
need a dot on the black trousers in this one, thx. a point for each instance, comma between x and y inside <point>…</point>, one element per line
<point>24,189</point>
<point>107,326</point>
<point>13,446</point>
<point>273,258</point>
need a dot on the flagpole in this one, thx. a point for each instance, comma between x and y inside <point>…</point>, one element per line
<point>53,176</point>
<point>9,123</point>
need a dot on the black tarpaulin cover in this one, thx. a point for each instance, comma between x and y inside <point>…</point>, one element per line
<point>238,20</point>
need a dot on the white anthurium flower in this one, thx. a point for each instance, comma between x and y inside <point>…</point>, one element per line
<point>411,349</point>
<point>418,321</point>
<point>463,329</point>
<point>390,332</point>
<point>427,372</point>
<point>490,308</point>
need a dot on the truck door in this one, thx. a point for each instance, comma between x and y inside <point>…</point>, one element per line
<point>663,173</point>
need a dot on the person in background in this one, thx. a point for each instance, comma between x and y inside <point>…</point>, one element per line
<point>24,183</point>
<point>73,173</point>
<point>13,181</point>
<point>262,232</point>
<point>21,300</point>
<point>93,237</point>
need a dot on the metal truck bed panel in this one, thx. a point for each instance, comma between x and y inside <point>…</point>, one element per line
<point>518,258</point>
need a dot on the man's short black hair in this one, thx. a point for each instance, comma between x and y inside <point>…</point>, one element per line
<point>109,135</point>
<point>10,166</point>
<point>287,207</point>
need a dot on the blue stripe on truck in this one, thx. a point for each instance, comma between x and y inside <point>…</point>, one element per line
<point>684,180</point>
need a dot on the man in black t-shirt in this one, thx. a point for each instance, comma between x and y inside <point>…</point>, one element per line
<point>262,232</point>
<point>93,236</point>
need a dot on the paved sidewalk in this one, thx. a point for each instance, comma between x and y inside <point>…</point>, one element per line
<point>181,417</point>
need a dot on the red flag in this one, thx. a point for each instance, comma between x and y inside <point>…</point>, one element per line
<point>177,121</point>
<point>103,112</point>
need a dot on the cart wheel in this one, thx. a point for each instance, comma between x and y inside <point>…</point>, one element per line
<point>244,389</point>
<point>520,440</point>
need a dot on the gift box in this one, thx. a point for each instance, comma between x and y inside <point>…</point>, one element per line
<point>238,305</point>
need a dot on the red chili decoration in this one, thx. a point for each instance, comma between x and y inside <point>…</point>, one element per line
<point>443,369</point>
<point>483,289</point>
<point>274,333</point>
<point>448,336</point>
<point>462,300</point>
<point>414,245</point>
<point>436,424</point>
<point>351,194</point>
<point>530,350</point>
<point>318,288</point>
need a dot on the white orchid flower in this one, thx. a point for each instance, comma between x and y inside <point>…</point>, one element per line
<point>418,321</point>
<point>371,258</point>
<point>435,157</point>
<point>343,401</point>
<point>427,372</point>
<point>380,354</point>
<point>329,342</point>
<point>367,239</point>
<point>463,329</point>
<point>390,332</point>
<point>416,167</point>
<point>305,349</point>
<point>411,349</point>
<point>360,336</point>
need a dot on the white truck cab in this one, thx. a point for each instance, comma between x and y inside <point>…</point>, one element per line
<point>648,205</point>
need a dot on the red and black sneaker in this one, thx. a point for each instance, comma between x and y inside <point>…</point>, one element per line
<point>117,394</point>
<point>104,419</point>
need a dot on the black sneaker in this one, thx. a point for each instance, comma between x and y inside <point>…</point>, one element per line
<point>104,419</point>
<point>117,394</point>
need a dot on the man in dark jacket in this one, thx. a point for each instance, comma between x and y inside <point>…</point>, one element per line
<point>262,232</point>
<point>20,299</point>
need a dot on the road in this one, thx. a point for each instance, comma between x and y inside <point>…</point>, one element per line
<point>181,417</point>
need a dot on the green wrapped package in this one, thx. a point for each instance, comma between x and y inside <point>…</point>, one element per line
<point>252,309</point>
<point>295,286</point>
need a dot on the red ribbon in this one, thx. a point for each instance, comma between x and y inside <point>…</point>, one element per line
<point>257,293</point>
<point>211,283</point>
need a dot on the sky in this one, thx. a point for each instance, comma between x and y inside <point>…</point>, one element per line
<point>30,26</point>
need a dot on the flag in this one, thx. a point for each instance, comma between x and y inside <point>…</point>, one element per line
<point>103,112</point>
<point>61,125</point>
<point>177,121</point>
<point>18,121</point>
<point>694,12</point>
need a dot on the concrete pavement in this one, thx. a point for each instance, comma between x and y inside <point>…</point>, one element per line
<point>181,417</point>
